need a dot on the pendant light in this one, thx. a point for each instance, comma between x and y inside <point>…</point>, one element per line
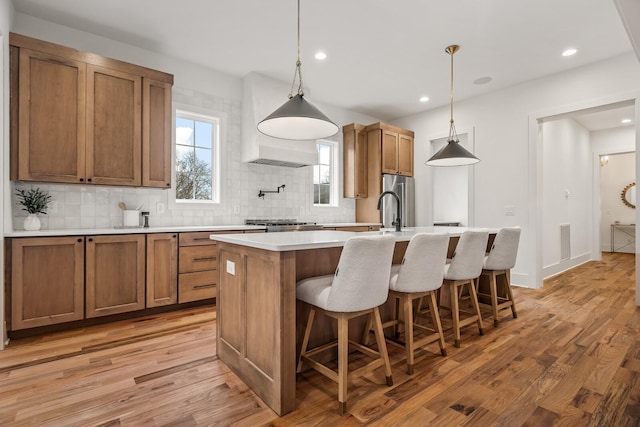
<point>452,154</point>
<point>297,118</point>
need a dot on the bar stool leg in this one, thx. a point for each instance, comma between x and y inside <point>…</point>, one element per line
<point>476,306</point>
<point>507,274</point>
<point>455,312</point>
<point>343,361</point>
<point>367,330</point>
<point>435,317</point>
<point>305,340</point>
<point>493,289</point>
<point>382,345</point>
<point>407,305</point>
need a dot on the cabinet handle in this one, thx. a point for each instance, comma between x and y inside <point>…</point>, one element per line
<point>200,238</point>
<point>205,259</point>
<point>208,285</point>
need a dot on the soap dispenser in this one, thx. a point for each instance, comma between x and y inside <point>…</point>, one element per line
<point>145,216</point>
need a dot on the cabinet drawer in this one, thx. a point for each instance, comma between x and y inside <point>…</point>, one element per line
<point>199,238</point>
<point>197,286</point>
<point>197,258</point>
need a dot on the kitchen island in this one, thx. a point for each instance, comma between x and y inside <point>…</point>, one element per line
<point>256,308</point>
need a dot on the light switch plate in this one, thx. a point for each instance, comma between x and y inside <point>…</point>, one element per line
<point>231,267</point>
<point>509,211</point>
<point>160,208</point>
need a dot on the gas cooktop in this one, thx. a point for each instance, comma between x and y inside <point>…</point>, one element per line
<point>287,224</point>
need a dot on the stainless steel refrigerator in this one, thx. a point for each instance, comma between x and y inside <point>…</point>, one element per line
<point>404,187</point>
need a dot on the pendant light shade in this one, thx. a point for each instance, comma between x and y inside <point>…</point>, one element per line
<point>452,154</point>
<point>297,119</point>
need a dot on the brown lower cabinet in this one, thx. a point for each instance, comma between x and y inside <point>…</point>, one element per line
<point>47,281</point>
<point>162,269</point>
<point>115,274</point>
<point>198,266</point>
<point>62,279</point>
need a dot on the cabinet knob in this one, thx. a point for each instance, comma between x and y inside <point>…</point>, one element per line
<point>174,236</point>
<point>81,179</point>
<point>168,184</point>
<point>79,240</point>
<point>90,239</point>
<point>89,179</point>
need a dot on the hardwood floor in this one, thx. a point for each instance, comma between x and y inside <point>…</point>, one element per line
<point>571,358</point>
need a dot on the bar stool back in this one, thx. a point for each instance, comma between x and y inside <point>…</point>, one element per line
<point>464,269</point>
<point>419,276</point>
<point>358,287</point>
<point>499,262</point>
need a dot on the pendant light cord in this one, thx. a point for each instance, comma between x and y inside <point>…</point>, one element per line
<point>453,135</point>
<point>298,71</point>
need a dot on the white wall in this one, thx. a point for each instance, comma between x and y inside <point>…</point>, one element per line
<point>88,206</point>
<point>566,193</point>
<point>619,171</point>
<point>6,16</point>
<point>506,174</point>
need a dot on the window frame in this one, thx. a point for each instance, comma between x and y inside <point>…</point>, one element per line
<point>334,178</point>
<point>202,114</point>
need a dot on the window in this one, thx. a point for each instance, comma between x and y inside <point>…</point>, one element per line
<point>196,167</point>
<point>324,175</point>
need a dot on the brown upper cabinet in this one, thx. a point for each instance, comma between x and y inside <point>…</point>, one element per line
<point>369,152</point>
<point>396,148</point>
<point>78,117</point>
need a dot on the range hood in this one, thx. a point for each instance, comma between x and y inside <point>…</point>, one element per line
<point>260,97</point>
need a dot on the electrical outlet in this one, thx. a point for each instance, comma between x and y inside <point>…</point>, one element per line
<point>231,267</point>
<point>509,211</point>
<point>236,209</point>
<point>53,207</point>
<point>159,208</point>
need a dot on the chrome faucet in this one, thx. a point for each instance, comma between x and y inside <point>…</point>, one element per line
<point>398,221</point>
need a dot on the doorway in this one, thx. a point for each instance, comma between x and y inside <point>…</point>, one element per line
<point>541,168</point>
<point>452,188</point>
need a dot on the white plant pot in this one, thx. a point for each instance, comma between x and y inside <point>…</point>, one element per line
<point>32,222</point>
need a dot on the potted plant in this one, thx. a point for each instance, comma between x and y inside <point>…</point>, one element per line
<point>34,202</point>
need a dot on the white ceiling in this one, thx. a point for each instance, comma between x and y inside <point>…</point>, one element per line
<point>382,55</point>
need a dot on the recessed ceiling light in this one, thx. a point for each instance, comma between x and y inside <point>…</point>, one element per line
<point>483,80</point>
<point>625,121</point>
<point>424,98</point>
<point>321,55</point>
<point>569,52</point>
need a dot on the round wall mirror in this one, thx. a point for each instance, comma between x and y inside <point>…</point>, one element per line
<point>628,195</point>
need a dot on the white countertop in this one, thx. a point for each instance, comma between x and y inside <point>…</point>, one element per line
<point>177,229</point>
<point>129,230</point>
<point>351,224</point>
<point>299,240</point>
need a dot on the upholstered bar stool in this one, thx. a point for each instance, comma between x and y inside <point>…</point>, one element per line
<point>465,267</point>
<point>419,277</point>
<point>499,262</point>
<point>358,287</point>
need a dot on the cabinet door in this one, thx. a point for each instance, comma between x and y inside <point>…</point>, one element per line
<point>47,281</point>
<point>115,267</point>
<point>405,155</point>
<point>162,269</point>
<point>156,134</point>
<point>114,127</point>
<point>51,114</point>
<point>389,152</point>
<point>355,162</point>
